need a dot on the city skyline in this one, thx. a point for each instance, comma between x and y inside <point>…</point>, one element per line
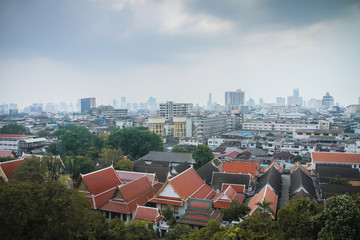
<point>178,50</point>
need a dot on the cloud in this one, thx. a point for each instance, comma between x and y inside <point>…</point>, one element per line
<point>170,17</point>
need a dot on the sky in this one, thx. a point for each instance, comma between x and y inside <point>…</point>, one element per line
<point>179,50</point>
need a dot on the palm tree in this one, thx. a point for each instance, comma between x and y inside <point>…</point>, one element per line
<point>264,207</point>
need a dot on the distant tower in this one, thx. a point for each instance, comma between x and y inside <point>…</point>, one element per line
<point>123,102</point>
<point>296,92</point>
<point>87,104</point>
<point>209,103</point>
<point>234,99</point>
<point>327,101</point>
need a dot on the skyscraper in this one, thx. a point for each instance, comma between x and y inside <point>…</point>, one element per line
<point>234,99</point>
<point>87,104</point>
<point>209,103</point>
<point>327,101</point>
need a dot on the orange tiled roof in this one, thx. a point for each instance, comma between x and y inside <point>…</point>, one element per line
<point>223,199</point>
<point>277,166</point>
<point>128,176</point>
<point>9,167</point>
<point>128,196</point>
<point>101,180</point>
<point>351,158</point>
<point>230,167</point>
<point>267,194</point>
<point>239,188</point>
<point>298,165</point>
<point>148,213</point>
<point>189,184</point>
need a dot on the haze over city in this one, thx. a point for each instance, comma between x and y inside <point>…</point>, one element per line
<point>61,51</point>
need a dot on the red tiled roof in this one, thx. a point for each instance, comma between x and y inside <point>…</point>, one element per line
<point>148,213</point>
<point>189,184</point>
<point>239,188</point>
<point>296,166</point>
<point>6,153</point>
<point>230,167</point>
<point>247,161</point>
<point>223,199</point>
<point>232,154</point>
<point>161,200</point>
<point>277,166</point>
<point>134,189</point>
<point>128,196</point>
<point>351,158</point>
<point>15,135</point>
<point>9,167</point>
<point>101,180</point>
<point>267,194</point>
<point>127,176</point>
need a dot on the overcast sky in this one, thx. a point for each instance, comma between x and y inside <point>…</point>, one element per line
<point>181,50</point>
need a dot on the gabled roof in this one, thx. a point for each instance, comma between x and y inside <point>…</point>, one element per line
<point>283,155</point>
<point>328,171</point>
<point>267,194</point>
<point>182,167</point>
<point>300,181</point>
<point>329,190</point>
<point>128,176</point>
<point>276,165</point>
<point>168,157</point>
<point>199,212</point>
<point>223,199</point>
<point>6,153</point>
<point>231,154</point>
<point>7,168</point>
<point>100,181</point>
<point>298,165</point>
<point>323,157</point>
<point>231,167</point>
<point>189,184</point>
<point>128,196</point>
<point>273,178</point>
<point>206,171</point>
<point>161,172</point>
<point>229,178</point>
<point>148,214</point>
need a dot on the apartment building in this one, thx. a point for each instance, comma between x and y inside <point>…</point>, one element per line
<point>171,109</point>
<point>277,125</point>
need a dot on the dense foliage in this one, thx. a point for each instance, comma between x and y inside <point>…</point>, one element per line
<point>135,142</point>
<point>13,128</point>
<point>202,155</point>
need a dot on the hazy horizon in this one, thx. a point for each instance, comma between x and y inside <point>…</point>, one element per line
<point>61,51</point>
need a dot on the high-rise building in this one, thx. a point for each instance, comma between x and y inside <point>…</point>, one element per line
<point>296,92</point>
<point>234,99</point>
<point>171,109</point>
<point>327,101</point>
<point>209,103</point>
<point>359,100</point>
<point>151,103</point>
<point>280,101</point>
<point>87,104</point>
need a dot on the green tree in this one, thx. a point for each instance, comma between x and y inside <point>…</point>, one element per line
<point>43,133</point>
<point>31,170</point>
<point>340,219</point>
<point>254,227</point>
<point>78,164</point>
<point>169,216</point>
<point>46,211</point>
<point>5,159</point>
<point>264,207</point>
<point>134,142</point>
<point>179,150</point>
<point>235,212</point>
<point>59,132</point>
<point>298,158</point>
<point>110,156</point>
<point>138,230</point>
<point>202,155</point>
<point>339,181</point>
<point>270,135</point>
<point>124,164</point>
<point>295,219</point>
<point>213,230</point>
<point>177,231</point>
<point>52,148</point>
<point>13,128</point>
